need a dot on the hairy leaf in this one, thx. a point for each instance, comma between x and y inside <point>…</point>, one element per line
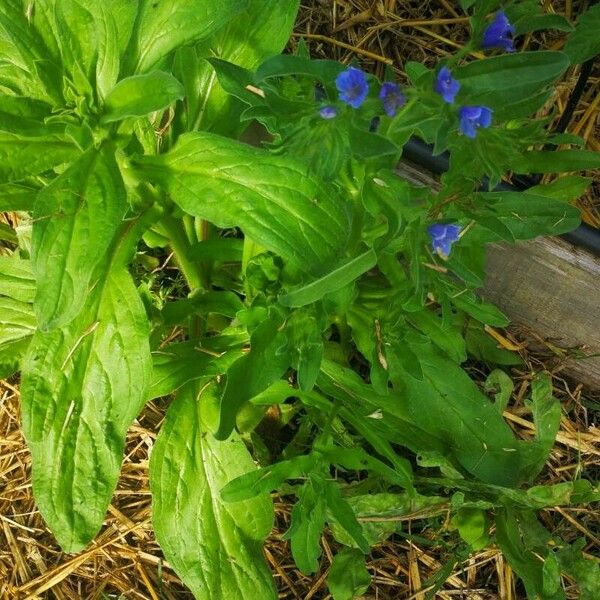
<point>215,547</point>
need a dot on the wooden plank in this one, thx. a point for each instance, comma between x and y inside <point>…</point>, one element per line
<point>552,288</point>
<point>546,286</point>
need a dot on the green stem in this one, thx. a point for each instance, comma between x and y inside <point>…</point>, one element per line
<point>181,247</point>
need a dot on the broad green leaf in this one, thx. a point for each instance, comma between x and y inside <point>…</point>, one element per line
<point>23,155</point>
<point>77,219</point>
<point>215,547</point>
<point>76,32</point>
<point>162,26</point>
<point>528,215</point>
<point>357,459</point>
<point>82,386</point>
<point>139,95</point>
<point>585,571</point>
<point>584,42</point>
<point>218,249</point>
<point>348,576</point>
<point>559,161</point>
<point>270,197</point>
<point>448,405</point>
<point>341,276</point>
<point>253,373</point>
<point>579,491</point>
<point>108,64</point>
<point>508,78</point>
<point>262,30</point>
<point>530,23</point>
<point>306,347</point>
<point>202,303</point>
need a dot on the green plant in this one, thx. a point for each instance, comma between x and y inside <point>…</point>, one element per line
<point>317,281</point>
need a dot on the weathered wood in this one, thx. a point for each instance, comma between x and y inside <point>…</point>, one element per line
<point>549,286</point>
<point>553,288</point>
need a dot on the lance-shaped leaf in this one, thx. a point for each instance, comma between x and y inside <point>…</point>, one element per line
<point>272,198</point>
<point>86,379</point>
<point>161,27</point>
<point>214,546</point>
<point>82,386</point>
<point>77,220</point>
<point>139,95</point>
<point>509,78</point>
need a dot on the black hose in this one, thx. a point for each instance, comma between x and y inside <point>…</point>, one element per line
<point>417,151</point>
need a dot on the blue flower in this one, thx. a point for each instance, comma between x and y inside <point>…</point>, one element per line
<point>446,86</point>
<point>499,33</point>
<point>328,112</point>
<point>472,117</point>
<point>443,236</point>
<point>391,97</point>
<point>352,86</point>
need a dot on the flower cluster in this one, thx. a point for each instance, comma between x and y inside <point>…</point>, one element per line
<point>353,90</point>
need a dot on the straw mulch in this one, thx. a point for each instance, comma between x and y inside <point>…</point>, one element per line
<point>125,559</point>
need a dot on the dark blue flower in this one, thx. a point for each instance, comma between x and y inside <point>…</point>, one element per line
<point>391,97</point>
<point>328,112</point>
<point>473,117</point>
<point>352,86</point>
<point>443,236</point>
<point>446,86</point>
<point>499,33</point>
